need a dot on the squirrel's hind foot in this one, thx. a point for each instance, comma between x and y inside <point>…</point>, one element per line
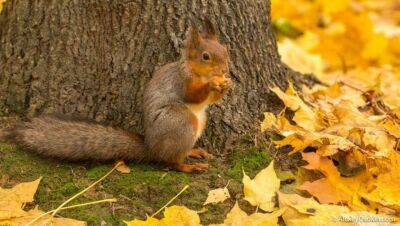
<point>199,153</point>
<point>191,168</point>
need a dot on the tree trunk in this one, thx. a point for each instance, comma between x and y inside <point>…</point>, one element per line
<point>93,58</point>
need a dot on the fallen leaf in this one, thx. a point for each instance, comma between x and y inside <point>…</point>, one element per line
<point>308,212</point>
<point>379,139</point>
<point>262,189</point>
<point>12,200</point>
<point>217,195</point>
<point>32,214</point>
<point>174,215</point>
<point>237,217</point>
<point>304,117</point>
<point>122,168</point>
<point>269,121</point>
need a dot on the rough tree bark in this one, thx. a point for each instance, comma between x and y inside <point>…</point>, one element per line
<point>93,58</point>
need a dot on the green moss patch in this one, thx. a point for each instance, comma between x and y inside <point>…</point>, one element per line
<point>142,192</point>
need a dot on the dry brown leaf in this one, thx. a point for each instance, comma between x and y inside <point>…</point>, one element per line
<point>122,168</point>
<point>217,195</point>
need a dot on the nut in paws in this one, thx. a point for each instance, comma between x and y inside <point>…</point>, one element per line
<point>220,84</point>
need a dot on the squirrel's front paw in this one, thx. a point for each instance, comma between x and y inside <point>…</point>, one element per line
<point>220,84</point>
<point>188,168</point>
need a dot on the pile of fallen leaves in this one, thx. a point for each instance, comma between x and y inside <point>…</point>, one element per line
<point>350,140</point>
<point>348,131</point>
<point>356,41</point>
<point>345,33</point>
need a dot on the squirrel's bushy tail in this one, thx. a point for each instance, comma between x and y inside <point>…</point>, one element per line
<point>64,137</point>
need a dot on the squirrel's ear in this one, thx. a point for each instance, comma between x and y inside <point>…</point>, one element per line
<point>209,29</point>
<point>192,37</point>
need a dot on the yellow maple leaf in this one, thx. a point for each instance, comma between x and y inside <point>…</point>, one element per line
<point>299,140</point>
<point>333,188</point>
<point>307,211</point>
<point>45,220</point>
<point>12,200</point>
<point>304,117</point>
<point>180,215</point>
<point>150,221</point>
<point>327,97</point>
<point>380,191</point>
<point>262,189</point>
<point>289,98</point>
<point>174,215</point>
<point>237,217</point>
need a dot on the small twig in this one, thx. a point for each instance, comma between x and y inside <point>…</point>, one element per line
<point>170,201</point>
<point>227,183</point>
<point>351,86</point>
<point>125,197</point>
<point>164,175</point>
<point>84,190</point>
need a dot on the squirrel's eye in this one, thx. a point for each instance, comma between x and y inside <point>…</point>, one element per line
<point>206,56</point>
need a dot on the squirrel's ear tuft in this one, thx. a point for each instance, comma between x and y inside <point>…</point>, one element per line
<point>209,29</point>
<point>192,37</point>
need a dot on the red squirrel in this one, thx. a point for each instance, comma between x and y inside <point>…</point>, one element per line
<point>174,111</point>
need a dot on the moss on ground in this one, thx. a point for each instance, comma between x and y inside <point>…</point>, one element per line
<point>142,192</point>
<point>250,161</point>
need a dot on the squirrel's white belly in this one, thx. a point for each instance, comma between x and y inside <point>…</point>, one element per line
<point>200,112</point>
